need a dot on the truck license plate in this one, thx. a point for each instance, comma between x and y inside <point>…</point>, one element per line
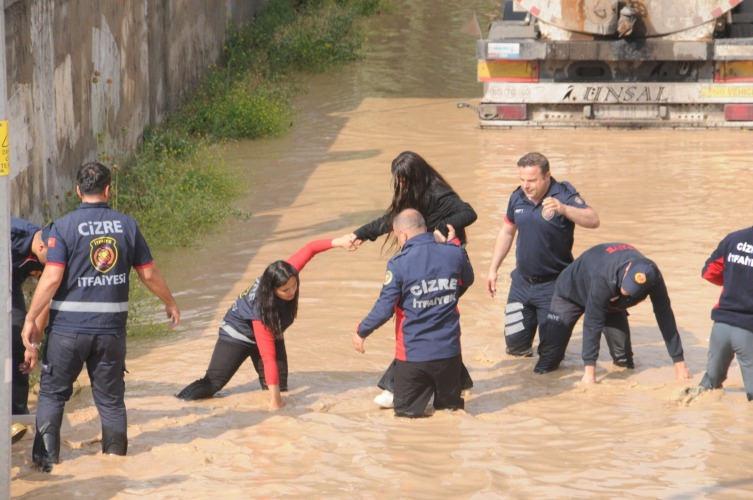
<point>626,111</point>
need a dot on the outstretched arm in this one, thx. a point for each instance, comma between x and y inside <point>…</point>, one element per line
<point>299,259</point>
<point>373,229</point>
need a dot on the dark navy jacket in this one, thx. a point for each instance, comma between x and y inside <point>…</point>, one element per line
<point>595,278</point>
<point>544,247</point>
<point>23,262</point>
<point>731,265</point>
<point>98,246</point>
<point>236,325</point>
<point>442,206</point>
<point>422,287</point>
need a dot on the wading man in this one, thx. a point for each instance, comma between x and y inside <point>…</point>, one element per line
<point>422,287</point>
<point>602,284</point>
<point>543,213</point>
<point>91,252</point>
<point>731,266</point>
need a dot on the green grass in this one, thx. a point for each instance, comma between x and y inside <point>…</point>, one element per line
<point>175,185</point>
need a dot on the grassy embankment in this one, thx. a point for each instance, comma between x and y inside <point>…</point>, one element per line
<point>174,185</point>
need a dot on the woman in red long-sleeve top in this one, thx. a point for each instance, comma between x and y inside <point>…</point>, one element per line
<point>254,326</point>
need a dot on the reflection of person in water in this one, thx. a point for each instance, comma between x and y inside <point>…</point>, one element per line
<point>254,326</point>
<point>419,186</point>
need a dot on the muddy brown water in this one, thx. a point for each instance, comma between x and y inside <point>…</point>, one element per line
<point>673,194</point>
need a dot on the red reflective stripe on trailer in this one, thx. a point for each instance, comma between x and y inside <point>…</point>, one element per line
<point>734,3</point>
<point>738,112</point>
<point>535,11</point>
<point>399,339</point>
<point>716,12</point>
<point>512,111</point>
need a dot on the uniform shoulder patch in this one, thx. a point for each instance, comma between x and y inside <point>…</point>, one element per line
<point>639,278</point>
<point>388,277</point>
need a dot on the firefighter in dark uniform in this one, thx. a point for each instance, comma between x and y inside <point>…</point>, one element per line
<point>28,255</point>
<point>602,284</point>
<point>731,267</point>
<point>422,286</point>
<point>543,213</point>
<point>85,283</point>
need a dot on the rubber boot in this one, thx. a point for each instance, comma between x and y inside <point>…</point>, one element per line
<point>114,442</point>
<point>46,450</point>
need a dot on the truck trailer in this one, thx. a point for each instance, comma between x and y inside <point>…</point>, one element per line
<point>625,63</point>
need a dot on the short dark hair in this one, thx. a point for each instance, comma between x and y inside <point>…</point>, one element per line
<point>534,160</point>
<point>93,177</point>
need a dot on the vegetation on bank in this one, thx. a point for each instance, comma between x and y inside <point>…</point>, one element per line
<point>173,185</point>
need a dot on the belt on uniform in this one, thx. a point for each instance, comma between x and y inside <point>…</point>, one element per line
<point>89,307</point>
<point>539,279</point>
<point>235,333</point>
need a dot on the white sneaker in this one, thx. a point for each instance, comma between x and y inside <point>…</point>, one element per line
<point>384,399</point>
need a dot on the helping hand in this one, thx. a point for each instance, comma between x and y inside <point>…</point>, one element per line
<point>354,242</point>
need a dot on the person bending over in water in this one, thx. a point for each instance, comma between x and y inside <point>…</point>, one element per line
<point>254,326</point>
<point>417,185</point>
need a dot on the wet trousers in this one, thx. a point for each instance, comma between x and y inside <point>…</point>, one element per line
<point>417,381</point>
<point>726,342</point>
<point>556,332</point>
<point>227,357</point>
<point>62,362</point>
<point>387,382</point>
<point>526,309</point>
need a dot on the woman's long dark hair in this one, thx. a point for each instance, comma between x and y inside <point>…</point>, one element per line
<point>275,311</point>
<point>413,181</point>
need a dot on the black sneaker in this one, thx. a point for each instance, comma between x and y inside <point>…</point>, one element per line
<point>624,363</point>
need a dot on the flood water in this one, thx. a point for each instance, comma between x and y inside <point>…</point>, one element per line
<point>673,194</point>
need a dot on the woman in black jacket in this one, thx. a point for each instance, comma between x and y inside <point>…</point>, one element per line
<point>417,185</point>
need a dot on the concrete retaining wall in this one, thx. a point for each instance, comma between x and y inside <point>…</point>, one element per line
<point>86,77</point>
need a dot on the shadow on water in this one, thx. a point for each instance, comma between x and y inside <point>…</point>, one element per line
<point>93,488</point>
<point>402,59</point>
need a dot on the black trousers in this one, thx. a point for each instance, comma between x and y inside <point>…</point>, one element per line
<point>227,357</point>
<point>417,381</point>
<point>20,380</point>
<point>62,362</point>
<point>558,328</point>
<point>387,382</point>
